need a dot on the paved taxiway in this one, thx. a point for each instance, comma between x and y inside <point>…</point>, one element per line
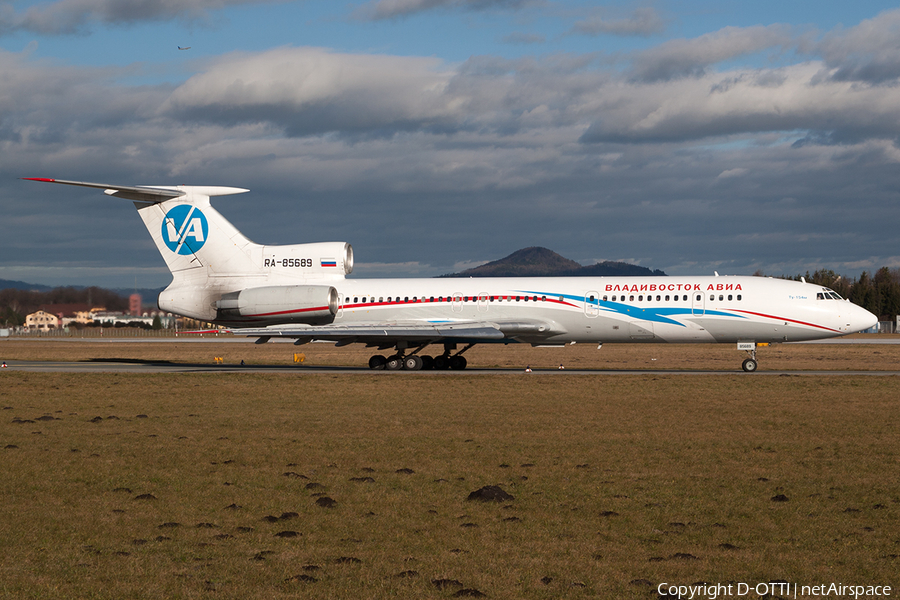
<point>164,367</point>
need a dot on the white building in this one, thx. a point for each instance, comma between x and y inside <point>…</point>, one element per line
<point>41,321</point>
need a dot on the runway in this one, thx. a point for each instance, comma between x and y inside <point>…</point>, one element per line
<point>153,367</point>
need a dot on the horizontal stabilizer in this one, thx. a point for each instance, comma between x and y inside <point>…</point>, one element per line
<point>151,194</point>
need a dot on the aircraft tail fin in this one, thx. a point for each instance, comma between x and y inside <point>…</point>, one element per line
<point>189,233</point>
<point>209,258</point>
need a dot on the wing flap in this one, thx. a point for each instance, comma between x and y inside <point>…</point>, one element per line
<point>377,332</point>
<point>381,333</point>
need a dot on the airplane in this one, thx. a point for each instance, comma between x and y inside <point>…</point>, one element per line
<point>301,292</point>
<point>187,48</point>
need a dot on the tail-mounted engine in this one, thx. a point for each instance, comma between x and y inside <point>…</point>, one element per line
<point>324,260</point>
<point>310,304</point>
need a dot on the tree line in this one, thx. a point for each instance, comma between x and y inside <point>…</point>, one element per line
<point>15,304</point>
<point>879,293</point>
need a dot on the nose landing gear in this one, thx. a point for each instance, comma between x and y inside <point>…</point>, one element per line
<point>750,364</point>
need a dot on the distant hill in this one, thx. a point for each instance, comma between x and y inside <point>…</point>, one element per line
<point>8,284</point>
<point>611,268</point>
<point>541,262</point>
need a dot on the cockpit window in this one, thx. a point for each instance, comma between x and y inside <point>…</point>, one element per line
<point>828,295</point>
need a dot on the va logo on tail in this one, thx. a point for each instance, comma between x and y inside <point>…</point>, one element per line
<point>184,229</point>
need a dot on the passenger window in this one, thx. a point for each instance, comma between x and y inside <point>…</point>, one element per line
<point>699,298</point>
<point>738,296</point>
<point>729,297</point>
<point>667,298</point>
<point>657,298</point>
<point>356,300</point>
<point>605,298</point>
<point>721,297</point>
<point>631,298</point>
<point>543,298</point>
<point>406,298</point>
<point>640,298</point>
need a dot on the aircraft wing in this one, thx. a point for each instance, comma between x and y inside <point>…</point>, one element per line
<point>388,334</point>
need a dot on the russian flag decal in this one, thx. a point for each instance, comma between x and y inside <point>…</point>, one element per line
<point>328,262</point>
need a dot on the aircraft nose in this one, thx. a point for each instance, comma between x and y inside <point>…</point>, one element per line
<point>861,319</point>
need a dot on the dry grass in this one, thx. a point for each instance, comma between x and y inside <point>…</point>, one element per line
<point>616,480</point>
<point>725,357</point>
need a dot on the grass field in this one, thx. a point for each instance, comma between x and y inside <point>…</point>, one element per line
<point>724,357</point>
<point>193,485</point>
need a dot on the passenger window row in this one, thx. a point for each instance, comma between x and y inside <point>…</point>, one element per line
<point>371,299</point>
<point>622,298</point>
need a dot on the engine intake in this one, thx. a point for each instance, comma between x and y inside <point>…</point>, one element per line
<point>310,304</point>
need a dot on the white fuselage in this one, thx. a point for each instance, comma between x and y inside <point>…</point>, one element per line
<point>620,309</point>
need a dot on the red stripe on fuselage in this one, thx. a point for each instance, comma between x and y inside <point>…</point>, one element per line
<point>756,314</point>
<point>498,300</point>
<point>288,312</point>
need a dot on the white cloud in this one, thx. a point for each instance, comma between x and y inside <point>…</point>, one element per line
<point>869,51</point>
<point>643,22</point>
<point>691,57</point>
<point>728,174</point>
<point>74,16</point>
<point>392,9</point>
<point>310,91</point>
<point>739,102</point>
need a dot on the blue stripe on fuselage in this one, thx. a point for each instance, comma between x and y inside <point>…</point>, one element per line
<point>658,315</point>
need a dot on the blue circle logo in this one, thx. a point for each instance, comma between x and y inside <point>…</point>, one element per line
<point>184,229</point>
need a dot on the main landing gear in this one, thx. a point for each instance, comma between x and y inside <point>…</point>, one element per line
<point>414,362</point>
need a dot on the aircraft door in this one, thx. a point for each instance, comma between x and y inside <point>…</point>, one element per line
<point>456,303</point>
<point>591,304</point>
<point>482,302</point>
<point>698,303</point>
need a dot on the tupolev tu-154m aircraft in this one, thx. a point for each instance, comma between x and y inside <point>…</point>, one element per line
<point>300,292</point>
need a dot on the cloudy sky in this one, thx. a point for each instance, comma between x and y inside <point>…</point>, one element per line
<point>434,135</point>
